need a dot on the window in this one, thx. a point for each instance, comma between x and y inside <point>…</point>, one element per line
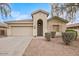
<point>56,28</point>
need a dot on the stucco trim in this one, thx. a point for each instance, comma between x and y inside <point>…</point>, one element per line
<point>19,21</point>
<point>43,11</point>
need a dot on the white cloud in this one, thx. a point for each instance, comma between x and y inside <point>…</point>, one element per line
<point>15,14</point>
<point>49,16</point>
<point>19,16</point>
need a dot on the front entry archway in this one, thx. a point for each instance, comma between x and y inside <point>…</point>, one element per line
<point>39,27</point>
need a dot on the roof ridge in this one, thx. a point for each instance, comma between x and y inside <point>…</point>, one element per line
<point>19,20</point>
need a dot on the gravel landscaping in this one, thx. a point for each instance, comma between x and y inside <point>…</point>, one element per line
<point>55,47</point>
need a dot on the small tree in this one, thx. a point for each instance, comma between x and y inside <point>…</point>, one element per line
<point>5,10</point>
<point>68,37</point>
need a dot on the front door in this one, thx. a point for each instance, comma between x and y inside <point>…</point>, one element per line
<point>40,28</point>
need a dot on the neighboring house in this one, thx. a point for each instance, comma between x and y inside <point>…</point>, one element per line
<point>37,26</point>
<point>73,26</point>
<point>3,29</point>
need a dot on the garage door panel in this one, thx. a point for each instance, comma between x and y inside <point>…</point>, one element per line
<point>22,31</point>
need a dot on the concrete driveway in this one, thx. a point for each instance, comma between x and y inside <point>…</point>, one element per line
<point>13,46</point>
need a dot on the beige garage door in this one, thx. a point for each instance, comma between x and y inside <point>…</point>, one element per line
<point>22,31</point>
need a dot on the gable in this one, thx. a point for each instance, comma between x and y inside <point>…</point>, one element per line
<point>56,18</point>
<point>55,22</point>
<point>40,11</point>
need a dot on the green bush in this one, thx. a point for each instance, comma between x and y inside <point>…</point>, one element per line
<point>53,34</point>
<point>47,36</point>
<point>68,37</point>
<point>75,33</point>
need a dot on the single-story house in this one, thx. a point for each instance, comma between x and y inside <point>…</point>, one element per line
<point>37,26</point>
<point>74,26</point>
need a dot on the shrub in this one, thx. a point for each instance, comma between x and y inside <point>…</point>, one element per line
<point>53,34</point>
<point>67,37</point>
<point>75,33</point>
<point>47,36</point>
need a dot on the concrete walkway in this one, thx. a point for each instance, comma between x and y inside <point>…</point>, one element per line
<point>13,46</point>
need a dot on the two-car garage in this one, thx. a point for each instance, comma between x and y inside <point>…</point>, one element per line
<point>20,28</point>
<point>21,31</point>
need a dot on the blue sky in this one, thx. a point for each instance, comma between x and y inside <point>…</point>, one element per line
<point>28,8</point>
<point>23,10</point>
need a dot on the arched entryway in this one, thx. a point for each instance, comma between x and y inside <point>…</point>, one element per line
<point>39,27</point>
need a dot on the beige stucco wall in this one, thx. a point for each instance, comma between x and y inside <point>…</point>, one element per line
<point>62,25</point>
<point>36,17</point>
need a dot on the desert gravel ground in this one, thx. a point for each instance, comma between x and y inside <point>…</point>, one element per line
<point>55,47</point>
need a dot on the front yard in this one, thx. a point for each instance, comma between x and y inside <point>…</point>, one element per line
<point>55,47</point>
